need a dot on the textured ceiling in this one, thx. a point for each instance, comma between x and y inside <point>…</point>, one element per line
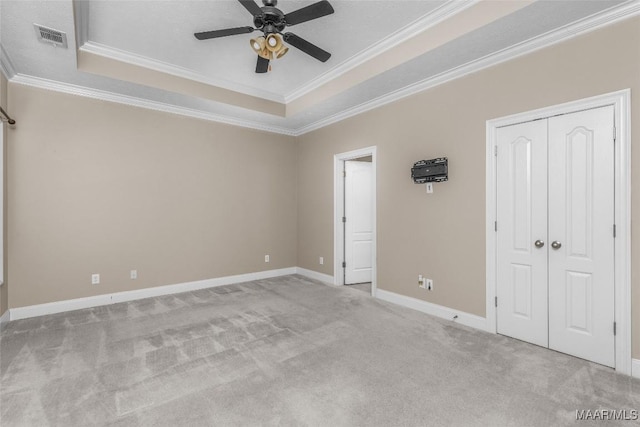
<point>162,31</point>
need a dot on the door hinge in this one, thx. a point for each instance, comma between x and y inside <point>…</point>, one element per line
<point>614,328</point>
<point>496,301</point>
<point>344,264</point>
<point>344,219</point>
<point>615,134</point>
<point>344,174</point>
<point>614,231</point>
<point>495,150</point>
<point>495,225</point>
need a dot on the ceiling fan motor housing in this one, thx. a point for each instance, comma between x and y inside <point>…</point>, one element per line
<point>271,21</point>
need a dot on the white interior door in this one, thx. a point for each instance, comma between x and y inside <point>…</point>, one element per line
<point>522,221</point>
<point>581,218</point>
<point>358,191</point>
<point>555,242</point>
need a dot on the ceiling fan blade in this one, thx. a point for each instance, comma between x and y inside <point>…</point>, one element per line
<point>223,33</point>
<point>252,7</point>
<point>306,47</point>
<point>263,65</point>
<point>313,11</point>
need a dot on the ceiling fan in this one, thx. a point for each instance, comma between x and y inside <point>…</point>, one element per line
<point>272,22</point>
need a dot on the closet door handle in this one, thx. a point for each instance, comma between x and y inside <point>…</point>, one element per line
<point>539,243</point>
<point>556,245</point>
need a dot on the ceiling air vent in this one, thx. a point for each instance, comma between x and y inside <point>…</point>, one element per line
<point>49,35</point>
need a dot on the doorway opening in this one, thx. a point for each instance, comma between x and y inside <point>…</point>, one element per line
<point>355,219</point>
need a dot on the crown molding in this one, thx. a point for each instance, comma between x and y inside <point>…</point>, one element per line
<point>597,21</point>
<point>86,92</point>
<point>164,67</point>
<point>6,66</point>
<point>433,18</point>
<point>81,19</point>
<point>586,25</point>
<point>81,13</point>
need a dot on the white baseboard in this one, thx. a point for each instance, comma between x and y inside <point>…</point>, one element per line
<point>433,309</point>
<point>315,275</point>
<point>98,300</point>
<point>4,319</point>
<point>635,368</point>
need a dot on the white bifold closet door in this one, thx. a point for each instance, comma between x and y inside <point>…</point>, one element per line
<point>581,218</point>
<point>555,212</point>
<point>522,221</point>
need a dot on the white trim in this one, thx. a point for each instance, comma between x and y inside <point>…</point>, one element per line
<point>99,300</point>
<point>325,278</point>
<point>443,312</point>
<point>2,201</point>
<point>621,102</point>
<point>338,206</point>
<point>635,368</point>
<point>6,66</point>
<point>174,70</point>
<point>594,22</point>
<point>81,12</point>
<point>597,21</point>
<point>490,228</point>
<point>143,103</point>
<point>421,24</point>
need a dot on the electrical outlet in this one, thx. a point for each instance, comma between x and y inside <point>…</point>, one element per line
<point>429,284</point>
<point>421,284</point>
<point>321,260</point>
<point>134,274</point>
<point>266,258</point>
<point>95,279</point>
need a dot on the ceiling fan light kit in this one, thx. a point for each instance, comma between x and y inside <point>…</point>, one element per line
<point>272,22</point>
<point>275,45</point>
<point>259,46</point>
<point>273,41</point>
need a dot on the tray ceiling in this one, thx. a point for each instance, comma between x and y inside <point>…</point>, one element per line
<point>144,53</point>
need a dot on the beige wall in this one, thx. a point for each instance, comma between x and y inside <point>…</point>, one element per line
<point>442,235</point>
<point>98,187</point>
<point>3,103</point>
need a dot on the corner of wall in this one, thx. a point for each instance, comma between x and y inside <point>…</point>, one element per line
<point>296,141</point>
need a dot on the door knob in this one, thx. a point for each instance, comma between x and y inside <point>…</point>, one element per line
<point>539,243</point>
<point>556,244</point>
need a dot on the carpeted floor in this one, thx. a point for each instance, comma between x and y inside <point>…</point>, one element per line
<point>286,351</point>
<point>365,287</point>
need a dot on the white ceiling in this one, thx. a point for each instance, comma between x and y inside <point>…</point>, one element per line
<point>162,31</point>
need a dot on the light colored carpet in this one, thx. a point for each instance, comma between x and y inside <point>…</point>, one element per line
<point>286,351</point>
<point>365,287</point>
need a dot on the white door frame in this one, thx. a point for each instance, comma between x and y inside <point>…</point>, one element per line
<point>338,204</point>
<point>2,173</point>
<point>621,103</point>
